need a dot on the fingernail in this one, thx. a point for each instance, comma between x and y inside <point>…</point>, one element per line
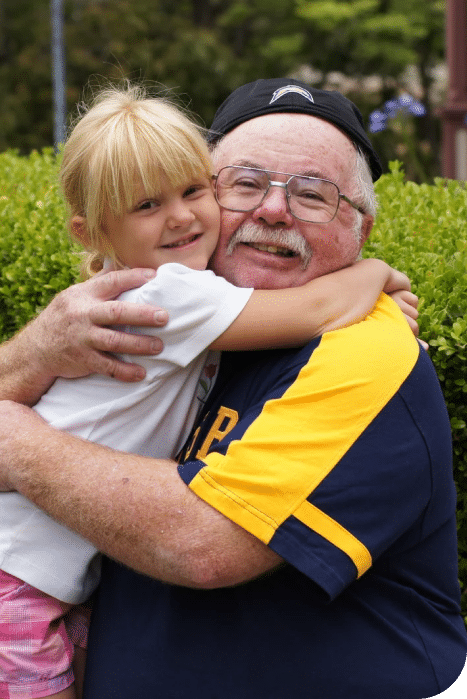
<point>160,317</point>
<point>149,273</point>
<point>156,347</point>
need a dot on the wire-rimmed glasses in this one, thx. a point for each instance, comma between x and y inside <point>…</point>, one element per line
<point>311,199</point>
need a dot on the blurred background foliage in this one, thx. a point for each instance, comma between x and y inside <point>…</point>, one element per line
<point>371,50</point>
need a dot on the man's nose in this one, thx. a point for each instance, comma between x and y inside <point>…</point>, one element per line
<point>274,209</point>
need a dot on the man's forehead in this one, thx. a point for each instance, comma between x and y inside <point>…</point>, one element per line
<point>287,127</point>
<point>283,141</point>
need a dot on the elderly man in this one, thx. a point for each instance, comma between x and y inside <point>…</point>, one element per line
<point>306,547</point>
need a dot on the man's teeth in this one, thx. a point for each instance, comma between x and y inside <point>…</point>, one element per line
<point>285,252</point>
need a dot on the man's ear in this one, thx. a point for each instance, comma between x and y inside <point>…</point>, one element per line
<point>79,230</point>
<point>367,225</point>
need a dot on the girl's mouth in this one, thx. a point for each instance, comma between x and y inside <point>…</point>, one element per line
<point>185,241</point>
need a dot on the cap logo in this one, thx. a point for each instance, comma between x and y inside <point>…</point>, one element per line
<point>291,88</point>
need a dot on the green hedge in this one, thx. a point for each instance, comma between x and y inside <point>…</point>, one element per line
<point>421,229</point>
<point>36,256</point>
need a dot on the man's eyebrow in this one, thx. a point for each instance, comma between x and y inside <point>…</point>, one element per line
<point>315,173</point>
<point>304,173</point>
<point>248,163</point>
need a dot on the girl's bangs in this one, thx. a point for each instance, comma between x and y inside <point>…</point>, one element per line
<point>152,164</point>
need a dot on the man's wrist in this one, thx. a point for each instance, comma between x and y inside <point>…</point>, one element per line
<point>24,376</point>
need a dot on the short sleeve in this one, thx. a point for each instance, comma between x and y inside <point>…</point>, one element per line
<point>201,306</point>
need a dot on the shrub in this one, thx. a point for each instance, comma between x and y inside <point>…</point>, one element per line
<point>36,255</point>
<point>421,230</point>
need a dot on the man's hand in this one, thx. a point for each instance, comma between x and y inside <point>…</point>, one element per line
<point>78,318</point>
<point>71,337</point>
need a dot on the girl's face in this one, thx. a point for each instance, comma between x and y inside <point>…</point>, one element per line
<point>179,225</point>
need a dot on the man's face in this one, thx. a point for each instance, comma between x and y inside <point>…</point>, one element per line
<point>295,144</point>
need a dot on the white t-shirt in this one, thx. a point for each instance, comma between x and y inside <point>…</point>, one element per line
<point>151,418</point>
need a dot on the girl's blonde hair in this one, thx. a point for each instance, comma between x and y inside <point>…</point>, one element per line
<point>125,140</point>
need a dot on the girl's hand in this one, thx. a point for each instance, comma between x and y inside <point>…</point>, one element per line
<point>408,303</point>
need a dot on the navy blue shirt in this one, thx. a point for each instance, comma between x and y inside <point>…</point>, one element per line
<point>338,457</point>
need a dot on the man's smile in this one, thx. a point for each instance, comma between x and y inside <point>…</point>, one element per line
<point>280,242</point>
<point>274,249</point>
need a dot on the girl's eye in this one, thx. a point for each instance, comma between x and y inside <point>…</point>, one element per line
<point>149,204</point>
<point>193,189</point>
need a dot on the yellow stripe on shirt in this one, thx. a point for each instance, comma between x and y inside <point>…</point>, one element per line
<point>337,535</point>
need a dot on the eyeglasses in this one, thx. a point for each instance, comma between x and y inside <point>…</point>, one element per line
<point>309,199</point>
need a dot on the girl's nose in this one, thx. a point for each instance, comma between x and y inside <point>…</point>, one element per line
<point>179,215</point>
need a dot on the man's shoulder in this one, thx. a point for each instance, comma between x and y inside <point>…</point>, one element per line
<point>385,325</point>
<point>379,350</point>
<point>382,344</point>
<point>371,359</point>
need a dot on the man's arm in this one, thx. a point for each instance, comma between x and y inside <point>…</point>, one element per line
<point>70,338</point>
<point>134,509</point>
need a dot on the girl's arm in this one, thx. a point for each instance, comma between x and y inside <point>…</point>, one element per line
<point>292,317</point>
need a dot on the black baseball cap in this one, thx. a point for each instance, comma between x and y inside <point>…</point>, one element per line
<point>288,95</point>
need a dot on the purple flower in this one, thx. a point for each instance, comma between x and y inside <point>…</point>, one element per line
<point>391,108</point>
<point>378,121</point>
<point>405,104</point>
<point>411,106</point>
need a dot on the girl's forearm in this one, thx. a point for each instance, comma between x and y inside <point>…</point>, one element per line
<point>292,317</point>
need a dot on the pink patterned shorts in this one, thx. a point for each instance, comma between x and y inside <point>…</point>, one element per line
<point>36,651</point>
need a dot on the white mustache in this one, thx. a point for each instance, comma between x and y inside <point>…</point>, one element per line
<point>250,232</point>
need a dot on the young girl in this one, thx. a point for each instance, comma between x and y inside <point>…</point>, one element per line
<point>137,177</point>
